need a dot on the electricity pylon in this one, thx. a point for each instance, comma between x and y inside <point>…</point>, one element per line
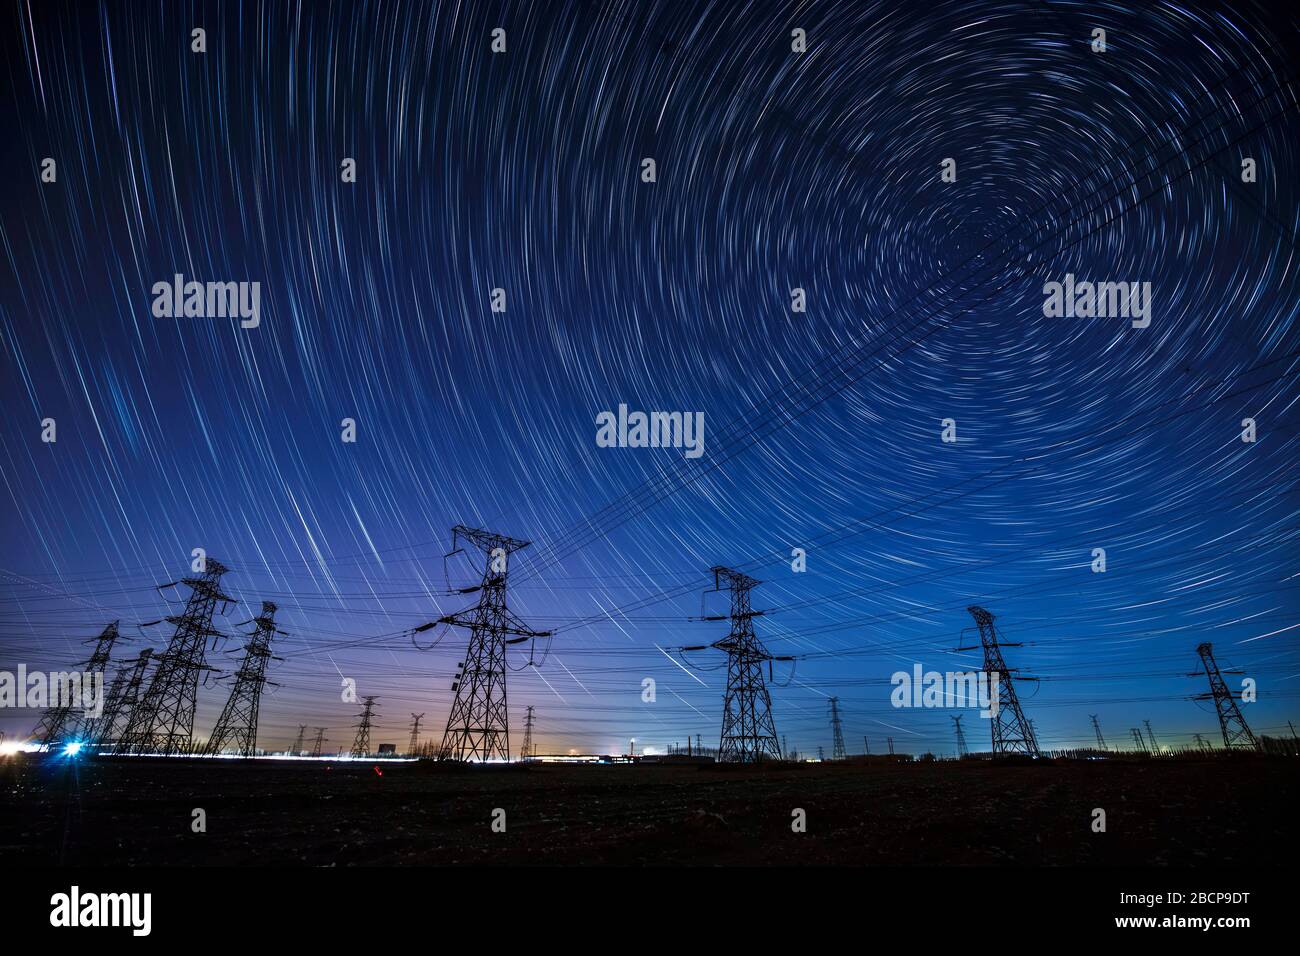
<point>526,750</point>
<point>124,701</point>
<point>1012,733</point>
<point>837,731</point>
<point>478,727</point>
<point>1236,732</point>
<point>415,734</point>
<point>961,736</point>
<point>361,742</point>
<point>1137,739</point>
<point>748,731</point>
<point>62,721</point>
<point>1151,736</point>
<point>237,724</point>
<point>164,720</point>
<point>1097,727</point>
<point>295,748</point>
<point>319,741</point>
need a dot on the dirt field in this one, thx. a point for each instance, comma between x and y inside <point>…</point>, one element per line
<point>135,812</point>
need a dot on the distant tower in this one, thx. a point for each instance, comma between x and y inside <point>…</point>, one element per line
<point>1137,739</point>
<point>866,746</point>
<point>526,750</point>
<point>414,742</point>
<point>1012,734</point>
<point>1236,733</point>
<point>361,742</point>
<point>319,741</point>
<point>478,727</point>
<point>837,731</point>
<point>65,720</point>
<point>1151,737</point>
<point>1101,744</point>
<point>890,742</point>
<point>961,736</point>
<point>123,705</point>
<point>821,754</point>
<point>748,731</point>
<point>295,748</point>
<point>1200,742</point>
<point>163,722</point>
<point>237,725</point>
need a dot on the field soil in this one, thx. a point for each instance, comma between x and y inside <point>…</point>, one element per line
<point>142,812</point>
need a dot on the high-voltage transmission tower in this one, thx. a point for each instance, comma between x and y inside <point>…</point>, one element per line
<point>478,726</point>
<point>1236,732</point>
<point>1151,736</point>
<point>837,731</point>
<point>319,741</point>
<point>237,725</point>
<point>123,700</point>
<point>1012,733</point>
<point>961,736</point>
<point>64,720</point>
<point>295,748</point>
<point>1101,744</point>
<point>361,742</point>
<point>1137,739</point>
<point>163,722</point>
<point>415,734</point>
<point>748,731</point>
<point>526,750</point>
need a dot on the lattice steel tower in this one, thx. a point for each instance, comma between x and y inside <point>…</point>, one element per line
<point>748,731</point>
<point>361,742</point>
<point>526,750</point>
<point>837,731</point>
<point>1012,733</point>
<point>123,701</point>
<point>415,734</point>
<point>66,721</point>
<point>1097,727</point>
<point>478,725</point>
<point>961,736</point>
<point>319,741</point>
<point>296,747</point>
<point>1236,733</point>
<point>237,724</point>
<point>164,721</point>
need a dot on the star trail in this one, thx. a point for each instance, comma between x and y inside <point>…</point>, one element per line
<point>920,428</point>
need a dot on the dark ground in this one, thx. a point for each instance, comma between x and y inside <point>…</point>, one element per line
<point>138,812</point>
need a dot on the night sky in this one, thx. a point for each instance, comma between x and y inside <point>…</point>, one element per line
<point>522,171</point>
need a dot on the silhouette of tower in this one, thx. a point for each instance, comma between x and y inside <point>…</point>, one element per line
<point>890,741</point>
<point>1236,733</point>
<point>361,742</point>
<point>478,726</point>
<point>319,741</point>
<point>164,720</point>
<point>526,750</point>
<point>1101,744</point>
<point>866,746</point>
<point>237,725</point>
<point>1012,734</point>
<point>67,720</point>
<point>295,748</point>
<point>1137,739</point>
<point>1151,737</point>
<point>837,731</point>
<point>1200,742</point>
<point>961,736</point>
<point>748,731</point>
<point>415,734</point>
<point>119,706</point>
